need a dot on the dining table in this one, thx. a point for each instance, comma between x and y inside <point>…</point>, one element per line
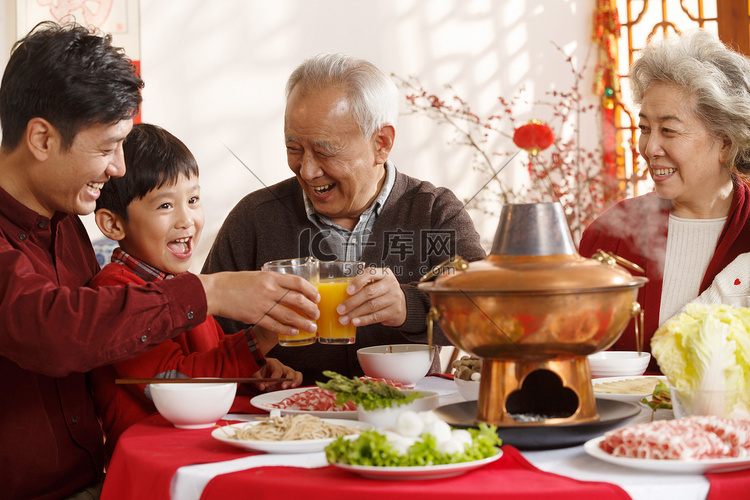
<point>155,460</point>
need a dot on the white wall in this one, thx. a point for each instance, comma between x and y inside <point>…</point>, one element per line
<point>215,74</point>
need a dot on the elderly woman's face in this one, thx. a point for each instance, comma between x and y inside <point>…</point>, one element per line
<point>684,159</point>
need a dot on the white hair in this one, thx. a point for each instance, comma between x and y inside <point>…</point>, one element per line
<point>373,97</point>
<point>714,76</point>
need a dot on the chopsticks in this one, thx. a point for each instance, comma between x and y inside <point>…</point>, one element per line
<point>196,380</point>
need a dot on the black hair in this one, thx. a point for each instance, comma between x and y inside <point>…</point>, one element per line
<point>70,76</point>
<point>153,158</point>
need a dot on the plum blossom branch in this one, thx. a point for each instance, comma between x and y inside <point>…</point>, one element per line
<point>567,172</point>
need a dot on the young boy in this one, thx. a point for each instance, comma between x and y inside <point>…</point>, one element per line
<point>154,211</point>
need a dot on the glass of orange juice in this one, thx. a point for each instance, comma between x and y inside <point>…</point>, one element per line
<point>305,267</point>
<point>335,276</point>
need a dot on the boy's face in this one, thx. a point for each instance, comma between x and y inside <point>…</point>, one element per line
<point>164,227</point>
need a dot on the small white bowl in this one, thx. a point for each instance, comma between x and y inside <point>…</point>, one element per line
<point>386,417</point>
<point>405,363</point>
<point>618,363</point>
<point>193,406</point>
<point>468,389</point>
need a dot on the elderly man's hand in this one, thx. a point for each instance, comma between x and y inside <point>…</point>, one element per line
<point>376,297</point>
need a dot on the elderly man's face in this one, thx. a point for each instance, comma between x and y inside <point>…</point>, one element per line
<point>340,170</point>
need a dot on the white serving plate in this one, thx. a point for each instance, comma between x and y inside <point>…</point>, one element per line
<point>299,446</point>
<point>669,466</point>
<point>264,402</point>
<point>418,472</point>
<point>626,398</point>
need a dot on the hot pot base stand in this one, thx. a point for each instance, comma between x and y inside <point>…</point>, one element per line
<point>612,414</point>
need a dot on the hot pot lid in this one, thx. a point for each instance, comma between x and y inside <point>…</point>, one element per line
<point>531,273</point>
<point>533,251</point>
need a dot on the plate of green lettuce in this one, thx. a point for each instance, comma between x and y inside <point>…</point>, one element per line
<point>372,455</point>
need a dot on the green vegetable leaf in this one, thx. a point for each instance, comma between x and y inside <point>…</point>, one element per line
<point>370,394</point>
<point>660,398</point>
<point>373,448</point>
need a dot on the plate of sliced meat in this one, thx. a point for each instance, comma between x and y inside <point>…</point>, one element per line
<point>310,400</point>
<point>693,445</point>
<point>305,400</point>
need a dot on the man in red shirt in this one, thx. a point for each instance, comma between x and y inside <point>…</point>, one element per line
<point>67,100</point>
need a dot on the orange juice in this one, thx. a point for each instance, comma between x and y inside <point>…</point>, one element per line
<point>302,338</point>
<point>330,331</point>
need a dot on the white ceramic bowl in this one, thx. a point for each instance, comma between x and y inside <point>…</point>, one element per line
<point>386,417</point>
<point>618,363</point>
<point>405,363</point>
<point>723,404</point>
<point>193,406</point>
<point>468,389</point>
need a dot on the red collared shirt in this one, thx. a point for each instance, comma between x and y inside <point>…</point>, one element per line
<point>53,329</point>
<point>203,351</point>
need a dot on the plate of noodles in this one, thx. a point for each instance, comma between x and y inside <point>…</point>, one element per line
<point>288,433</point>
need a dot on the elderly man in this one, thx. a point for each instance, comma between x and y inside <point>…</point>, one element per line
<point>67,102</point>
<point>348,202</point>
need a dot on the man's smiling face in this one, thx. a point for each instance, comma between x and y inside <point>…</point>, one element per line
<point>339,169</point>
<point>71,179</point>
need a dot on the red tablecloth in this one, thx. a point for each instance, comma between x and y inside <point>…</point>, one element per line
<point>149,453</point>
<point>729,485</point>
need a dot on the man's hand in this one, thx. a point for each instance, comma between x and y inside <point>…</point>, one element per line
<point>376,297</point>
<point>276,369</point>
<point>263,298</point>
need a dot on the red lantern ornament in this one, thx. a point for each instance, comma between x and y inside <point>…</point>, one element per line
<point>534,137</point>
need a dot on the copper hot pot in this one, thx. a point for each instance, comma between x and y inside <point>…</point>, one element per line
<point>533,310</point>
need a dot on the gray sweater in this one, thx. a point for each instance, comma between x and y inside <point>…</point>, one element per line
<point>419,227</point>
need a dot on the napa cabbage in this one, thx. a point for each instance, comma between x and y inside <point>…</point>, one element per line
<point>706,347</point>
<point>705,354</point>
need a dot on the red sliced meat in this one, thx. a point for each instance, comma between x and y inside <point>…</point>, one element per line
<point>317,399</point>
<point>692,438</point>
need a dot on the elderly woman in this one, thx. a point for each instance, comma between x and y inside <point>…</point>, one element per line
<point>694,98</point>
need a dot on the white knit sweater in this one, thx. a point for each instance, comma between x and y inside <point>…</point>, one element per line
<point>690,245</point>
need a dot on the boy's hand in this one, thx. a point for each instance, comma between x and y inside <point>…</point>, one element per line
<point>263,298</point>
<point>266,339</point>
<point>276,369</point>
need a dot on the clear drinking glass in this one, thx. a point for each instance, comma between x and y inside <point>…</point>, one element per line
<point>335,276</point>
<point>305,267</point>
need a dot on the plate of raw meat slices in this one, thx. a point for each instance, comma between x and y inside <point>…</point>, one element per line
<point>693,445</point>
<point>305,400</point>
<point>310,400</point>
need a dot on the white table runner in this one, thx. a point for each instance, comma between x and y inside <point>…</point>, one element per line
<point>189,481</point>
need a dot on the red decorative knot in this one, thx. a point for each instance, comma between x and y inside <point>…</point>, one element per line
<point>737,281</point>
<point>534,137</point>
